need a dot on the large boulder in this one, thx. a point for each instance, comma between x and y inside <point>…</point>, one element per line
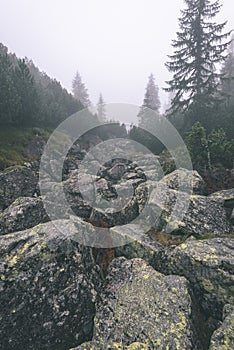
<point>223,337</point>
<point>209,266</point>
<point>27,212</point>
<point>48,288</point>
<point>192,214</point>
<point>17,182</point>
<point>23,213</point>
<point>227,197</point>
<point>139,304</point>
<point>185,179</point>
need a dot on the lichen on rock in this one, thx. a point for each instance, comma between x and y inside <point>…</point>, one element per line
<point>209,266</point>
<point>223,337</point>
<point>48,288</point>
<point>141,305</point>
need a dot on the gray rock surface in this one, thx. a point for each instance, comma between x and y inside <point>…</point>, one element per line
<point>27,212</point>
<point>209,266</point>
<point>183,179</point>
<point>48,288</point>
<point>223,337</point>
<point>202,216</point>
<point>51,286</point>
<point>139,304</point>
<point>227,196</point>
<point>17,182</point>
<point>23,213</point>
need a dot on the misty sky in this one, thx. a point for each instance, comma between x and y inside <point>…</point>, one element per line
<point>114,45</point>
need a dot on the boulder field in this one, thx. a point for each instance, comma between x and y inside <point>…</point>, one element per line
<point>170,286</point>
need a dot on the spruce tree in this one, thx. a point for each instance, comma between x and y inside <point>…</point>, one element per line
<point>151,102</point>
<point>199,47</point>
<point>79,90</point>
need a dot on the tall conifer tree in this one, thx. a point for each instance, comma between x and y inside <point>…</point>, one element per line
<point>199,47</point>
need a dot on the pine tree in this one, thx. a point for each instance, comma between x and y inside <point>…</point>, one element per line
<point>199,47</point>
<point>101,109</point>
<point>79,91</point>
<point>151,102</point>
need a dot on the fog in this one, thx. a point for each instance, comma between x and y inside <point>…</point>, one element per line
<point>114,45</point>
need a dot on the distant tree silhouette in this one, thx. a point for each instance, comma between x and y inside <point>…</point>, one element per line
<point>151,101</point>
<point>79,90</point>
<point>101,109</point>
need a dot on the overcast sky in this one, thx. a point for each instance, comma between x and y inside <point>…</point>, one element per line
<point>114,44</point>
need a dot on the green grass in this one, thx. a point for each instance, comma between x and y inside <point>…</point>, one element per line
<point>13,142</point>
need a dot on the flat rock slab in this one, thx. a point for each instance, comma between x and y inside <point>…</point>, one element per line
<point>139,304</point>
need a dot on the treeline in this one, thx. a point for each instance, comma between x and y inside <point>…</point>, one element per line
<point>29,97</point>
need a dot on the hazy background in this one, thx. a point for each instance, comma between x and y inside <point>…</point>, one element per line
<point>114,45</point>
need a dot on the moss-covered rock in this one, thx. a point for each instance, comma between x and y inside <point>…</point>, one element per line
<point>139,304</point>
<point>209,266</point>
<point>223,337</point>
<point>47,288</point>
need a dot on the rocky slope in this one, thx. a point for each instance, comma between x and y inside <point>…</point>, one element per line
<point>168,286</point>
